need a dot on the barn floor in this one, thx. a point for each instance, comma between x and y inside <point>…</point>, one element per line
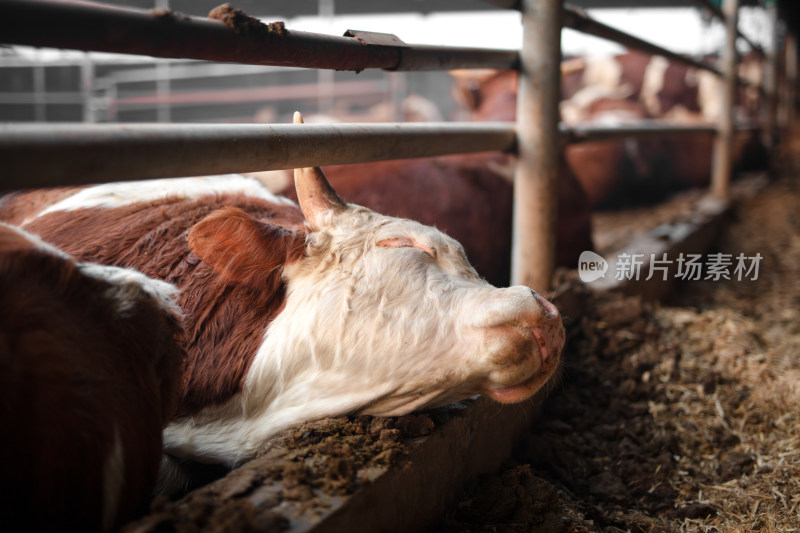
<point>679,416</point>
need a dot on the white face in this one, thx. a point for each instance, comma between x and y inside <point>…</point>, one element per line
<point>386,316</point>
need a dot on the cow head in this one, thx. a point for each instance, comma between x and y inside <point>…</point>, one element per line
<point>382,315</point>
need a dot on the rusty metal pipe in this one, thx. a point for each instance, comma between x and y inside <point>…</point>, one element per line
<point>46,155</point>
<point>790,85</point>
<point>538,146</point>
<point>89,26</point>
<point>430,57</point>
<point>770,110</point>
<point>722,163</point>
<point>646,128</point>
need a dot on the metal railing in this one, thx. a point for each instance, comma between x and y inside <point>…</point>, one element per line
<point>36,156</point>
<point>40,155</point>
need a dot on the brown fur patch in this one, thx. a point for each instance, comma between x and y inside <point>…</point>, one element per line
<point>18,206</point>
<point>241,249</point>
<point>225,320</point>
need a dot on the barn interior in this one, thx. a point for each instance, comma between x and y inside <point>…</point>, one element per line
<point>677,403</point>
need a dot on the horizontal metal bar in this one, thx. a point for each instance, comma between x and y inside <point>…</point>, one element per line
<point>646,128</point>
<point>21,98</point>
<point>506,4</point>
<point>429,57</point>
<point>43,155</point>
<point>298,91</point>
<point>188,70</point>
<point>48,155</point>
<point>90,26</point>
<point>580,21</point>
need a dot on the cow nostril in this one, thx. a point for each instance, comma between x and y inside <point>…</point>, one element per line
<point>549,309</point>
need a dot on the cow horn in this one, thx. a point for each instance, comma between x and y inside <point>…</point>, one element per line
<point>314,192</point>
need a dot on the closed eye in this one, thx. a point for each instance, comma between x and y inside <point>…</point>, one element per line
<point>403,242</point>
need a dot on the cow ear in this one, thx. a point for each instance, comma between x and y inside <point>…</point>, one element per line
<point>242,249</point>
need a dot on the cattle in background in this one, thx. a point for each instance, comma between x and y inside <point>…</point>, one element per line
<point>611,173</point>
<point>90,366</point>
<point>682,94</point>
<point>624,89</point>
<point>299,313</point>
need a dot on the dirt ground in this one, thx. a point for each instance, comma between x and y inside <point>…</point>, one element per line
<point>679,416</point>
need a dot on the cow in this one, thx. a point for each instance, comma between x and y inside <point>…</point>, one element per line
<point>299,312</point>
<point>91,359</point>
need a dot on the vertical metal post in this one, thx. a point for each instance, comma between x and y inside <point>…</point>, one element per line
<point>163,82</point>
<point>771,77</point>
<point>39,93</point>
<point>163,89</point>
<point>536,175</point>
<point>325,78</point>
<point>790,87</point>
<point>723,143</point>
<point>87,89</point>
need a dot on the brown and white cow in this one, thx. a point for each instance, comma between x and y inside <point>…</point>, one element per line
<point>90,366</point>
<point>299,313</point>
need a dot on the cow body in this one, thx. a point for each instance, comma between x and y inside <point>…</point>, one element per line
<point>293,315</point>
<point>91,360</point>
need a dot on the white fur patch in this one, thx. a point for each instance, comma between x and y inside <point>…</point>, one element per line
<point>118,194</point>
<point>605,72</point>
<point>709,89</point>
<point>127,286</point>
<point>653,83</point>
<point>574,110</point>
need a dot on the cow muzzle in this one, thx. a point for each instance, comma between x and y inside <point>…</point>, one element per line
<point>524,348</point>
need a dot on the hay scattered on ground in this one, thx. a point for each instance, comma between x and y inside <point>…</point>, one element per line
<point>674,417</point>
